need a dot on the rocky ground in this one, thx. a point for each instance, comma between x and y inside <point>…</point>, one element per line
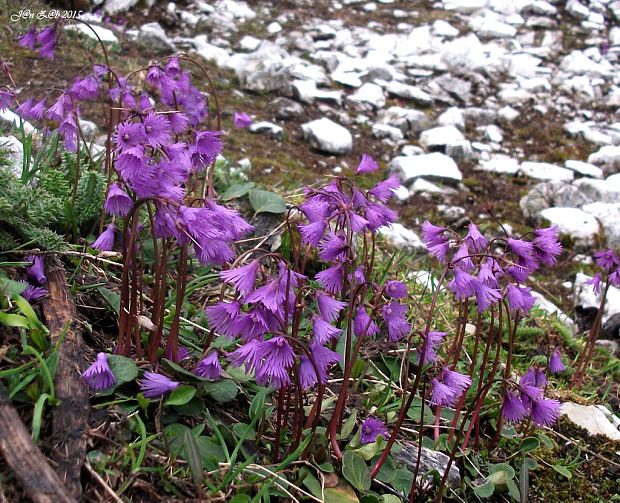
<point>496,111</point>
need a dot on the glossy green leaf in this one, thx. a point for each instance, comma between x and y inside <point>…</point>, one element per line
<point>181,395</point>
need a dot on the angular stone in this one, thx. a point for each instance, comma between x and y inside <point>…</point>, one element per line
<point>13,150</point>
<point>429,460</point>
<point>408,92</point>
<point>585,298</point>
<point>406,119</point>
<point>401,237</point>
<point>584,168</point>
<point>440,137</point>
<point>285,109</point>
<point>580,226</point>
<point>609,216</point>
<point>369,95</point>
<point>434,166</point>
<point>499,163</point>
<point>269,128</point>
<point>604,191</point>
<point>546,171</point>
<point>590,418</point>
<point>153,36</point>
<point>327,136</point>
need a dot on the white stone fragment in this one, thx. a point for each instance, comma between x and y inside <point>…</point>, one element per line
<point>435,165</point>
<point>591,419</point>
<point>546,171</point>
<point>325,135</point>
<point>573,222</point>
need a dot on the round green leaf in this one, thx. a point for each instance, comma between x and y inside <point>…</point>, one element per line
<point>237,190</point>
<point>264,201</point>
<point>124,369</point>
<point>485,490</point>
<point>355,470</point>
<point>529,444</point>
<point>222,391</point>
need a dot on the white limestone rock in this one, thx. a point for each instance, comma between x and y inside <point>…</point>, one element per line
<point>606,191</point>
<point>590,418</point>
<point>584,168</point>
<point>105,35</point>
<point>440,137</point>
<point>327,136</point>
<point>13,150</point>
<point>368,95</point>
<point>499,163</point>
<point>609,216</point>
<point>609,155</point>
<point>408,92</point>
<point>435,166</point>
<point>401,237</point>
<point>269,128</point>
<point>152,35</point>
<point>546,171</point>
<point>579,225</point>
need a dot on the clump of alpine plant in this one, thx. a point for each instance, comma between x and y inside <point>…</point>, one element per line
<point>163,144</point>
<point>608,263</point>
<point>288,323</point>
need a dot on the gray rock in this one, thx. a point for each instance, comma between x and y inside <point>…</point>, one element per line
<point>609,155</point>
<point>605,191</point>
<point>461,151</point>
<point>577,9</point>
<point>548,194</point>
<point>307,92</point>
<point>585,298</point>
<point>269,128</point>
<point>153,36</point>
<point>13,150</point>
<point>327,136</point>
<point>429,460</point>
<point>385,131</point>
<point>406,119</point>
<point>368,97</point>
<point>612,346</point>
<point>441,136</point>
<point>609,216</point>
<point>408,92</point>
<point>577,224</point>
<point>434,166</point>
<point>89,130</point>
<point>285,109</point>
<point>452,117</point>
<point>590,418</point>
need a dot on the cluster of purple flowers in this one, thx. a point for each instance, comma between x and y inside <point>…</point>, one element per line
<point>479,271</point>
<point>270,297</point>
<point>530,401</point>
<point>36,278</point>
<point>45,40</point>
<point>610,263</point>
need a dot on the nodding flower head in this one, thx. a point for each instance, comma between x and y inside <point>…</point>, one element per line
<point>241,120</point>
<point>105,242</point>
<point>155,385</point>
<point>37,270</point>
<point>367,165</point>
<point>555,362</point>
<point>98,375</point>
<point>209,367</point>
